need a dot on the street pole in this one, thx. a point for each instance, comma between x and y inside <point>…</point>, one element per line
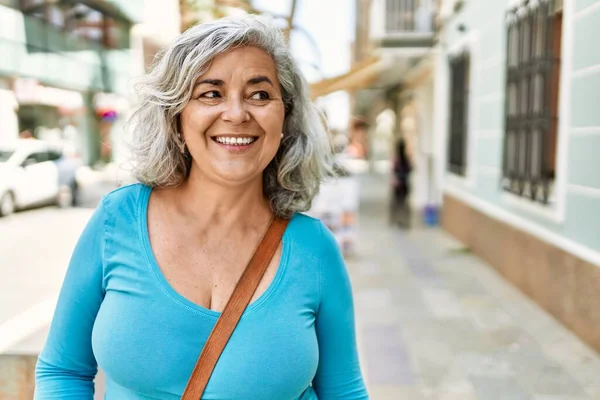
<point>290,21</point>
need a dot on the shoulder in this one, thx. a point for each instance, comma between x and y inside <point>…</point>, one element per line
<point>312,237</point>
<point>311,231</point>
<point>125,195</point>
<point>125,201</point>
<point>317,248</point>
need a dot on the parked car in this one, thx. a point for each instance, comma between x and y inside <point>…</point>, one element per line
<point>34,172</point>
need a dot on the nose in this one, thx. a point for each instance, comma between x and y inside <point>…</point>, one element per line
<point>235,111</point>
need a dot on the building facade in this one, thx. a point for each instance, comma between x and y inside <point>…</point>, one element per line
<point>65,75</point>
<point>66,69</point>
<point>396,40</point>
<point>503,109</point>
<point>522,183</point>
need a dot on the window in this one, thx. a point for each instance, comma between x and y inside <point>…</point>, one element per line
<point>54,155</point>
<point>409,16</point>
<point>9,3</point>
<point>88,23</point>
<point>116,33</point>
<point>532,82</point>
<point>40,156</point>
<point>459,113</point>
<point>82,21</point>
<point>35,158</point>
<point>30,5</point>
<point>5,155</point>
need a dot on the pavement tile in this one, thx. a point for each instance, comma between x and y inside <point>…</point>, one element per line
<point>436,322</point>
<point>387,356</point>
<point>423,270</point>
<point>431,360</point>
<point>442,303</point>
<point>493,388</point>
<point>469,365</point>
<point>397,393</point>
<point>555,381</point>
<point>457,390</point>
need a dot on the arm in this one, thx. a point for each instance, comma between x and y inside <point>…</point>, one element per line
<point>66,367</point>
<point>338,374</point>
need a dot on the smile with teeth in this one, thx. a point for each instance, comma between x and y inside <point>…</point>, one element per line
<point>235,141</point>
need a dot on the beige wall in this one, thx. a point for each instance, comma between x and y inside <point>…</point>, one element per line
<point>362,47</point>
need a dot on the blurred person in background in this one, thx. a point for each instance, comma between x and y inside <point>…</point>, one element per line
<point>227,140</point>
<point>400,209</point>
<point>358,147</point>
<point>26,134</point>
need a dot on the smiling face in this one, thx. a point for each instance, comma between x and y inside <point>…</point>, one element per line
<point>232,124</point>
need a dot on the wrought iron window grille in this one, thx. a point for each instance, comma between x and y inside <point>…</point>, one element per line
<point>531,102</point>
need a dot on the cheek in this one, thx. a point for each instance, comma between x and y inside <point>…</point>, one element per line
<point>272,122</point>
<point>196,119</point>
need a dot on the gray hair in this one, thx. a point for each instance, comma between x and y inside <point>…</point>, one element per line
<point>303,160</point>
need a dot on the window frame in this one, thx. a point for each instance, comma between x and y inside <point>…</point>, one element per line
<point>457,151</point>
<point>531,131</point>
<point>470,42</point>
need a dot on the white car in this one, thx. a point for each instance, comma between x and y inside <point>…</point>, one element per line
<point>34,172</point>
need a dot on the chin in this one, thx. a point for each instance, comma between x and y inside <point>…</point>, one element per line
<point>230,172</point>
<point>237,176</point>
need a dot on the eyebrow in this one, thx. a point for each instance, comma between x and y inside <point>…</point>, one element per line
<point>219,82</point>
<point>260,79</point>
<point>214,82</point>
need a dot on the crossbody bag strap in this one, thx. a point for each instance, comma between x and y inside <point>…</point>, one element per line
<point>232,313</point>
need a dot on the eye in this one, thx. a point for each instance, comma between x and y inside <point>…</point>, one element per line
<point>213,94</point>
<point>262,95</point>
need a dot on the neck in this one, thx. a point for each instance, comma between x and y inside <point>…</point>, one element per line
<point>209,203</point>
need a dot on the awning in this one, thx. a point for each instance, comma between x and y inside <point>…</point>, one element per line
<point>360,76</point>
<point>380,72</point>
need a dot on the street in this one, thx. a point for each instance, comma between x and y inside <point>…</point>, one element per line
<point>433,321</point>
<point>465,134</point>
<point>34,251</point>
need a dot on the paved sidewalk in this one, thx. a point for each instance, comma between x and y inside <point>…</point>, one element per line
<point>435,322</point>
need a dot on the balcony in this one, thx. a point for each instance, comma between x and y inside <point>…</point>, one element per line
<point>59,57</point>
<point>403,24</point>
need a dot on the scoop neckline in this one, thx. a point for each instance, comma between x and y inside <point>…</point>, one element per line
<point>167,288</point>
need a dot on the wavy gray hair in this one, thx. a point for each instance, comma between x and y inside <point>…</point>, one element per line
<point>304,158</point>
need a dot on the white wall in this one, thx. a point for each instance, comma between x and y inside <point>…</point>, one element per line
<point>440,120</point>
<point>9,124</point>
<point>570,221</point>
<point>162,20</point>
<point>424,190</point>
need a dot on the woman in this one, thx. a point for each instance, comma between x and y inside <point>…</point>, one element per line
<point>401,185</point>
<point>227,139</point>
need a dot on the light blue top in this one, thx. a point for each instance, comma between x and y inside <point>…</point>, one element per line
<point>117,310</point>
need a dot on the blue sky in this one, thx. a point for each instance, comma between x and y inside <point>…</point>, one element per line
<point>331,24</point>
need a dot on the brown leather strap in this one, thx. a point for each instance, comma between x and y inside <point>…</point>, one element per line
<point>232,313</point>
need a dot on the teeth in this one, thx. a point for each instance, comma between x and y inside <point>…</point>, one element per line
<point>236,141</point>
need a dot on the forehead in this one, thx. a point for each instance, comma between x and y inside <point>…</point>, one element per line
<point>244,61</point>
